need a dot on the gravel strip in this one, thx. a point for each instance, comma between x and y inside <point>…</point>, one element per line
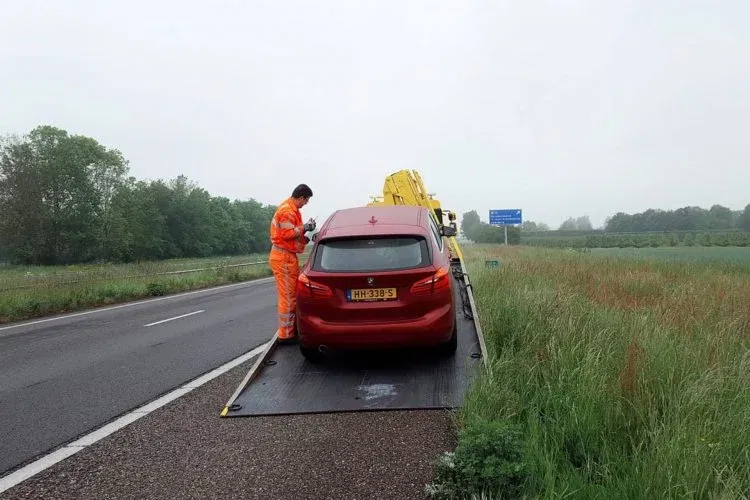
<point>185,450</point>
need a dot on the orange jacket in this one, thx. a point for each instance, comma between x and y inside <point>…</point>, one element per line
<point>287,229</point>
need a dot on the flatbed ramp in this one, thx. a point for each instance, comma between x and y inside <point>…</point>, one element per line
<point>283,382</point>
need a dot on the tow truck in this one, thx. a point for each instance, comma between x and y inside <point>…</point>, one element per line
<point>282,382</point>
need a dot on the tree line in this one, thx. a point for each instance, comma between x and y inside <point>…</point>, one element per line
<point>687,226</point>
<point>715,218</point>
<point>68,199</point>
<point>728,238</point>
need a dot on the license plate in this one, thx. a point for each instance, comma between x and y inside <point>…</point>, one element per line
<point>370,294</point>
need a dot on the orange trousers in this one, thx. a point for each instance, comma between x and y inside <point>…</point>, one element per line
<point>285,268</point>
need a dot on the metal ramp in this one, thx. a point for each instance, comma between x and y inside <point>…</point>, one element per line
<point>283,382</point>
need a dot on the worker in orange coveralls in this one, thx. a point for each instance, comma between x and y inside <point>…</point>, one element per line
<point>288,239</point>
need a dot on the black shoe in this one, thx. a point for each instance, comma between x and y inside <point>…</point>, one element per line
<point>288,341</point>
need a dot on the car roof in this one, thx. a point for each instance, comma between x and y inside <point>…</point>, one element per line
<point>388,219</point>
<point>384,214</point>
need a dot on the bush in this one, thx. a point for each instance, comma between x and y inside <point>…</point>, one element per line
<point>489,459</point>
<point>156,289</point>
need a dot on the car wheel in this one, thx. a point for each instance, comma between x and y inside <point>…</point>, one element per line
<point>312,354</point>
<point>449,348</point>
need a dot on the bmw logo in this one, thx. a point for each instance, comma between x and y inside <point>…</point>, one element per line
<point>370,281</point>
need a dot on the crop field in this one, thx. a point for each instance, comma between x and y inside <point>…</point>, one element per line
<point>32,291</point>
<point>735,255</point>
<point>614,374</point>
<point>677,239</point>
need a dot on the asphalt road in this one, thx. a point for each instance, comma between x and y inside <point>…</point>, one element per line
<point>62,377</point>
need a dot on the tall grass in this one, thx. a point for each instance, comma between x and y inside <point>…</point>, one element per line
<point>628,377</point>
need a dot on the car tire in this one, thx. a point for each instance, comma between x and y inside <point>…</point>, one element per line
<point>312,354</point>
<point>449,348</point>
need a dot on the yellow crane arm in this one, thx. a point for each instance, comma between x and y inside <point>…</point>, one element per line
<point>405,187</point>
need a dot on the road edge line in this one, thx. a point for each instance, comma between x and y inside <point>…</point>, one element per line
<point>58,455</point>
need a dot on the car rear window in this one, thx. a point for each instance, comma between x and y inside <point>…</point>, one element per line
<point>372,254</point>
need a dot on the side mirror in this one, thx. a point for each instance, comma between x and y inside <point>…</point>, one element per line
<point>448,231</point>
<point>314,237</point>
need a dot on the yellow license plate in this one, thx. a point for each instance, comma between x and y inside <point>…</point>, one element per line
<point>366,294</point>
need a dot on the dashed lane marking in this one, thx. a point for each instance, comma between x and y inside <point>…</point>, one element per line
<point>176,317</point>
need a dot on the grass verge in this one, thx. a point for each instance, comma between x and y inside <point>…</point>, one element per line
<point>611,377</point>
<point>27,292</point>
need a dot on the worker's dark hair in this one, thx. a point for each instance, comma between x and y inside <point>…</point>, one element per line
<point>302,191</point>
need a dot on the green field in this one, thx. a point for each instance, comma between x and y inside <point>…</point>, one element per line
<point>614,374</point>
<point>32,291</point>
<point>675,239</point>
<point>727,254</point>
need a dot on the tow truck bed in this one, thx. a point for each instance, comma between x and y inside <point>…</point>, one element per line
<point>284,382</point>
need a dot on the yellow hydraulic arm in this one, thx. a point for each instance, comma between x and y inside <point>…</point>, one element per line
<point>406,188</point>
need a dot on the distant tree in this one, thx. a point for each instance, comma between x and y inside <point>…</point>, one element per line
<point>744,219</point>
<point>721,217</point>
<point>469,223</point>
<point>56,192</point>
<point>568,225</point>
<point>689,218</point>
<point>584,224</point>
<point>577,224</point>
<point>66,198</point>
<point>529,226</point>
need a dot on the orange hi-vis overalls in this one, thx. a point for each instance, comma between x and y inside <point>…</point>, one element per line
<point>287,240</point>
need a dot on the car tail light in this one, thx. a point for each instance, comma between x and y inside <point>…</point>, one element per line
<point>307,288</point>
<point>438,281</point>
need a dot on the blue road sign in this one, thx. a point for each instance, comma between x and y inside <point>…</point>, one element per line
<point>505,217</point>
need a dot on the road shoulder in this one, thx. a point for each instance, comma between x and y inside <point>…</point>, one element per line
<point>186,450</point>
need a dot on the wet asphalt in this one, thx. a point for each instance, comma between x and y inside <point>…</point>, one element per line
<point>61,377</point>
<point>185,450</point>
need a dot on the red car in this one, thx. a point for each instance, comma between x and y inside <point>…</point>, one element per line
<point>377,277</point>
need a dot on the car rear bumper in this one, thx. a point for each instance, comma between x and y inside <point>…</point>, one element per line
<point>435,327</point>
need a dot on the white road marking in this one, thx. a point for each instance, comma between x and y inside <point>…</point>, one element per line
<point>176,317</point>
<point>74,447</point>
<point>131,304</point>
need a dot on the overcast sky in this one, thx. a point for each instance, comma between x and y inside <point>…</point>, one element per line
<point>561,108</point>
